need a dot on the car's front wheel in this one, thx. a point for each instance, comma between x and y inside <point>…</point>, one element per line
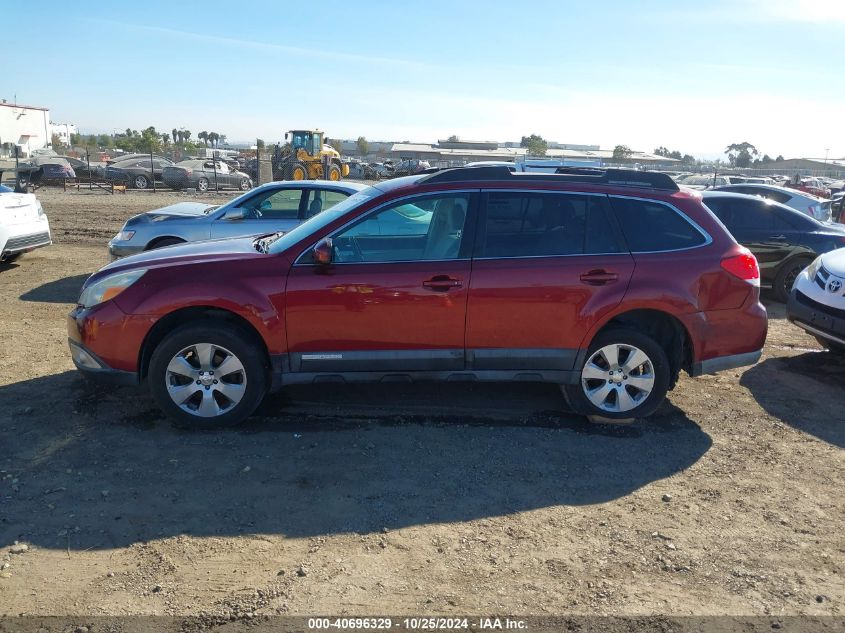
<point>787,275</point>
<point>246,185</point>
<point>207,375</point>
<point>202,184</point>
<point>141,182</point>
<point>625,376</point>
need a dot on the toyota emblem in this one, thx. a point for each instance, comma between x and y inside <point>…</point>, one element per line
<point>834,285</point>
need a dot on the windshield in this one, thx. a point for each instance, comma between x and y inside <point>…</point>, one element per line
<point>286,240</point>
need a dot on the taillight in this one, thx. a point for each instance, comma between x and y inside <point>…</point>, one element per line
<point>743,266</point>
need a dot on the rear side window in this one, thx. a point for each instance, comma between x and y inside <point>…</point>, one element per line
<point>651,226</point>
<point>519,224</point>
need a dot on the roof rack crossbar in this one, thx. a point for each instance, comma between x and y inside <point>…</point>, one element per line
<point>587,175</point>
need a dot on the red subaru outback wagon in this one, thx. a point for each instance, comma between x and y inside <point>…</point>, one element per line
<point>607,282</point>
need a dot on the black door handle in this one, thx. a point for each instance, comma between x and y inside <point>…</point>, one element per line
<point>598,277</point>
<point>442,283</point>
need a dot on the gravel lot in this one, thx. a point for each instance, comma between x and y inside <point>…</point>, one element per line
<point>425,499</point>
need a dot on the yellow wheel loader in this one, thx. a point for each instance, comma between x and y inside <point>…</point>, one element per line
<point>308,155</point>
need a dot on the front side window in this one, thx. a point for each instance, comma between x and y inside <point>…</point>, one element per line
<point>546,224</point>
<point>651,226</point>
<point>275,205</point>
<point>420,229</point>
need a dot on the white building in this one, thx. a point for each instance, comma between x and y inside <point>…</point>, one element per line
<point>28,127</point>
<point>63,131</point>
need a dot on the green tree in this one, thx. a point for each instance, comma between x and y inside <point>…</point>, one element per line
<point>779,159</point>
<point>453,139</point>
<point>622,152</point>
<point>535,144</point>
<point>688,159</point>
<point>174,134</point>
<point>213,138</point>
<point>75,139</point>
<point>105,140</point>
<point>363,146</point>
<point>203,136</point>
<point>741,154</point>
<point>56,142</point>
<point>337,144</point>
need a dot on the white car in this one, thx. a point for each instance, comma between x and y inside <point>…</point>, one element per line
<point>817,301</point>
<point>23,224</point>
<point>815,207</point>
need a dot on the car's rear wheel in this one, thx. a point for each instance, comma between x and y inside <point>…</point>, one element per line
<point>334,173</point>
<point>141,182</point>
<point>202,184</point>
<point>245,184</point>
<point>10,258</point>
<point>625,376</point>
<point>787,275</point>
<point>207,375</point>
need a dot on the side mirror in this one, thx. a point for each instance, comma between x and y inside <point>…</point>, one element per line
<point>235,214</point>
<point>322,252</point>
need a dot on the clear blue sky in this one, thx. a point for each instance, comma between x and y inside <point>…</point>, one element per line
<point>691,76</point>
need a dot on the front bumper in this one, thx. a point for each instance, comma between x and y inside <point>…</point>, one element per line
<point>123,249</point>
<point>25,237</point>
<point>92,366</point>
<point>816,318</point>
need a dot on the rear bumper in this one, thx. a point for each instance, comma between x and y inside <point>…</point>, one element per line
<point>721,363</point>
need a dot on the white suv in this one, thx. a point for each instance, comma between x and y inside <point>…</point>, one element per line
<point>817,301</point>
<point>23,224</point>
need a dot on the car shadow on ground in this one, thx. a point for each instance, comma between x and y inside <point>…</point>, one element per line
<point>95,468</point>
<point>4,266</point>
<point>65,290</point>
<point>802,391</point>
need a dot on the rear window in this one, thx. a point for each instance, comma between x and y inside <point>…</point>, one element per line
<point>652,226</point>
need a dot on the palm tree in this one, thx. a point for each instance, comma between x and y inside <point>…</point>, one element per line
<point>223,139</point>
<point>213,137</point>
<point>187,134</point>
<point>176,136</point>
<point>165,138</point>
<point>203,136</point>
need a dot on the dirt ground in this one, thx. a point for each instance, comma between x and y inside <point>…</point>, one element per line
<point>405,499</point>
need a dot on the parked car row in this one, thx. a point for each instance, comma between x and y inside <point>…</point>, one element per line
<point>434,276</point>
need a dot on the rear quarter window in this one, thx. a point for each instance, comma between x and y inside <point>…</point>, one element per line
<point>651,226</point>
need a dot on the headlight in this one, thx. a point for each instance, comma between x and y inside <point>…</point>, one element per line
<point>109,287</point>
<point>40,209</point>
<point>124,236</point>
<point>813,268</point>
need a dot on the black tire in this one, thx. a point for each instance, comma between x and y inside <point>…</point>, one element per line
<point>298,169</point>
<point>221,334</point>
<point>580,403</point>
<point>335,174</point>
<point>833,348</point>
<point>245,185</point>
<point>202,184</point>
<point>10,258</point>
<point>140,181</point>
<point>786,277</point>
<point>167,241</point>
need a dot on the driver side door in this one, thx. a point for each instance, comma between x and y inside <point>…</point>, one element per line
<point>394,297</point>
<point>266,212</point>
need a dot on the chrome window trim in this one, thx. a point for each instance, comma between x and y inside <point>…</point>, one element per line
<point>707,238</point>
<point>381,207</point>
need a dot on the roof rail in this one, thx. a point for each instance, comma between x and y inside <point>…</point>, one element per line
<point>589,175</point>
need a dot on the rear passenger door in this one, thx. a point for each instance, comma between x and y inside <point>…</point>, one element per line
<point>546,266</point>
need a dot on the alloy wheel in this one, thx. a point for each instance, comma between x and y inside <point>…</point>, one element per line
<point>618,378</point>
<point>205,380</point>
